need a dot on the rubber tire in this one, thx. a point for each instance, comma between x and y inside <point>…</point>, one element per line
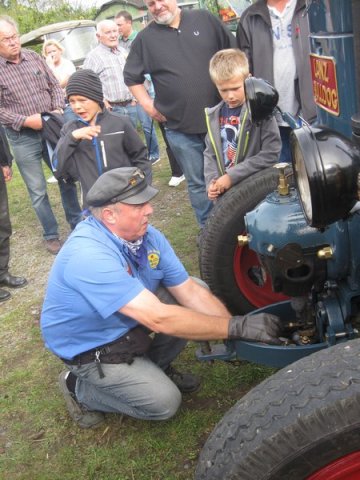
<point>218,239</point>
<point>291,425</point>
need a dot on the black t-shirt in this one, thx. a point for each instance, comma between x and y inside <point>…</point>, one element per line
<point>178,62</point>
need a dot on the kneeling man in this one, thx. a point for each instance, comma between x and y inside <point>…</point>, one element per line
<point>120,306</point>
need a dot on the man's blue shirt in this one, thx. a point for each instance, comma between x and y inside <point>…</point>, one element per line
<point>94,276</point>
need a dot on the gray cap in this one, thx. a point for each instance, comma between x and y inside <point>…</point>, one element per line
<point>126,185</point>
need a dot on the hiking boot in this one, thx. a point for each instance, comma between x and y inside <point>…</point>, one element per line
<point>186,382</point>
<point>83,417</point>
<point>53,245</point>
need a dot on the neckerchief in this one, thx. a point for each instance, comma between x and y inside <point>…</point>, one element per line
<point>136,251</point>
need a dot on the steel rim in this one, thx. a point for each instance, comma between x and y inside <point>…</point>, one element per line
<point>245,261</point>
<point>344,468</point>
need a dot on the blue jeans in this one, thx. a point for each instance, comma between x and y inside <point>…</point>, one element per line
<point>189,153</point>
<point>136,112</point>
<point>141,390</point>
<point>148,126</point>
<point>68,193</point>
<point>69,114</point>
<point>29,152</point>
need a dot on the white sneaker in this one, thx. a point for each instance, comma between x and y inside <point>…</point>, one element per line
<point>52,180</point>
<point>175,181</point>
<point>154,160</point>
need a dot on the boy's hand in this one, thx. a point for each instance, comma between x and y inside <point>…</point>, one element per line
<point>223,183</point>
<point>213,191</point>
<point>86,133</point>
<point>7,172</point>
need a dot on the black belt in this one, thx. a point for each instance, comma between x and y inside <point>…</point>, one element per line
<point>120,104</point>
<point>122,350</point>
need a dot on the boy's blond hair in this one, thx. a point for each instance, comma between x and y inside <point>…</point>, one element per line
<point>227,64</point>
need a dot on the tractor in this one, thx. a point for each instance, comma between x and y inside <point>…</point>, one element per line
<point>290,249</point>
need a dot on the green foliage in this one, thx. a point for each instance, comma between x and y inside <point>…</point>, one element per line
<point>211,5</point>
<point>38,13</point>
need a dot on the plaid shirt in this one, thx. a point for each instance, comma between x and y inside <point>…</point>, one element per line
<point>26,88</point>
<point>109,65</point>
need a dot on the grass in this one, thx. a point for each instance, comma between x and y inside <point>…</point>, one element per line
<point>38,441</point>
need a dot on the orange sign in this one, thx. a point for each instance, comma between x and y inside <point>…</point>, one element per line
<point>323,72</point>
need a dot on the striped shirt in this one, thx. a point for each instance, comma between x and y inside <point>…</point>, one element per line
<point>109,65</point>
<point>26,88</point>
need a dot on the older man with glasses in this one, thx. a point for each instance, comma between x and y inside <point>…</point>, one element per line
<point>27,89</point>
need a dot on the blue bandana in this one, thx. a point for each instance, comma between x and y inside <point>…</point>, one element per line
<point>136,251</point>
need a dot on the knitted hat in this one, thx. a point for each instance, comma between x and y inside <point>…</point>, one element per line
<point>85,83</point>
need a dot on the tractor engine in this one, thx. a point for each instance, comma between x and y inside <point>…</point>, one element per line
<point>306,238</point>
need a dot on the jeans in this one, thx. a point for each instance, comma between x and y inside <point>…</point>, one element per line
<point>174,166</point>
<point>29,151</point>
<point>189,153</point>
<point>69,114</point>
<point>136,112</point>
<point>141,390</point>
<point>68,193</point>
<point>148,126</point>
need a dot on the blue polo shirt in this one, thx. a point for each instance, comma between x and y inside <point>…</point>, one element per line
<point>93,276</point>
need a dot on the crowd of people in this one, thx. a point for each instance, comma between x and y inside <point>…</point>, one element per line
<point>119,321</point>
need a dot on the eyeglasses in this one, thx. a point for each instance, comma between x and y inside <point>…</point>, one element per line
<point>8,40</point>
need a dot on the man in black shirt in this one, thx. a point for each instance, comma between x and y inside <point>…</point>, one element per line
<point>175,50</point>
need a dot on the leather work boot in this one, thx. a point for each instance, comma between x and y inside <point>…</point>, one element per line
<point>4,295</point>
<point>186,382</point>
<point>84,418</point>
<point>53,246</point>
<point>11,281</point>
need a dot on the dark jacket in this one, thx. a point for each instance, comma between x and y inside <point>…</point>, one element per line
<point>258,147</point>
<point>118,145</point>
<point>254,37</point>
<point>52,124</point>
<point>5,154</point>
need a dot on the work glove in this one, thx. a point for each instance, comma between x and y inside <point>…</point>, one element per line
<point>260,327</point>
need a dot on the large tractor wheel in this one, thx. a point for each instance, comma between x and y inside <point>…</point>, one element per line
<point>303,423</point>
<point>233,273</point>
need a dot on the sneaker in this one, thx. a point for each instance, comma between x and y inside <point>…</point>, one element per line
<point>52,179</point>
<point>175,181</point>
<point>84,418</point>
<point>186,382</point>
<point>53,246</point>
<point>154,160</point>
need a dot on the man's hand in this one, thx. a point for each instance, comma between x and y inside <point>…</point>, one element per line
<point>86,133</point>
<point>33,121</point>
<point>153,112</point>
<point>143,98</point>
<point>260,327</point>
<point>7,172</point>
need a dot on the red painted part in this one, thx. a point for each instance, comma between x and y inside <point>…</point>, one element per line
<point>259,296</point>
<point>344,468</point>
